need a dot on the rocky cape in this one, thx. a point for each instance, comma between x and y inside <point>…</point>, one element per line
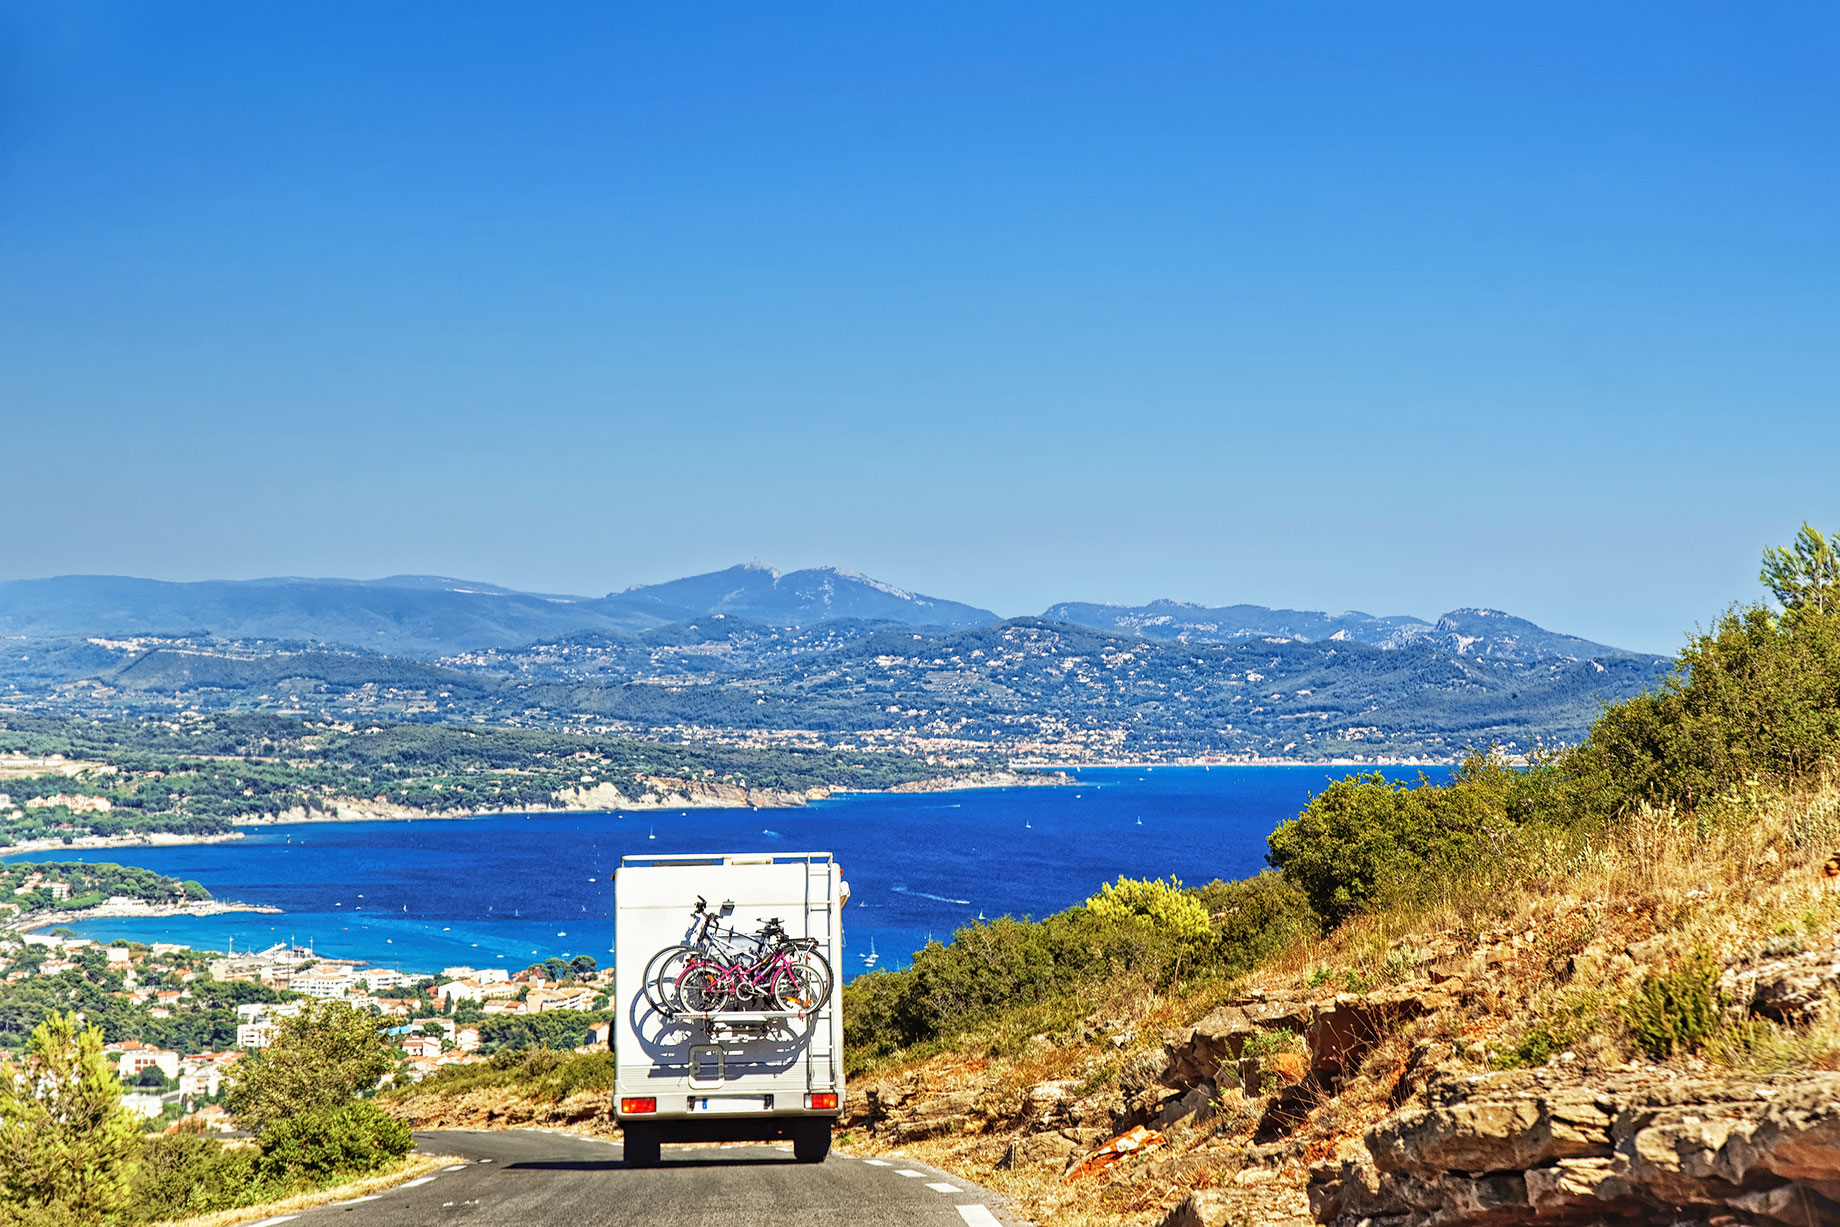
<point>105,911</point>
<point>663,793</point>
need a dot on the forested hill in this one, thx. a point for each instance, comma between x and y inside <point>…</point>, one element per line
<point>1027,687</point>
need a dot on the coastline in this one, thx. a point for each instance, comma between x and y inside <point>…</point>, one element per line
<point>1138,765</point>
<point>153,839</point>
<point>102,911</point>
<point>672,795</point>
<point>601,798</point>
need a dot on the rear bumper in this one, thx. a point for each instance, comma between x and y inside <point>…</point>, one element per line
<point>778,1127</point>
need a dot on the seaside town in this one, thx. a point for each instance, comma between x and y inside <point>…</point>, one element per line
<point>176,1020</point>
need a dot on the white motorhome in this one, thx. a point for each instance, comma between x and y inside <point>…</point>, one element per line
<point>754,1073</point>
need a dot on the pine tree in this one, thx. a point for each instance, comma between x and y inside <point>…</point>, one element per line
<point>67,1145</point>
<point>1807,576</point>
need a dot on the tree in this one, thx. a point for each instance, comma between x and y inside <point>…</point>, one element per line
<point>1806,576</point>
<point>1156,902</point>
<point>321,1057</point>
<point>584,965</point>
<point>67,1146</point>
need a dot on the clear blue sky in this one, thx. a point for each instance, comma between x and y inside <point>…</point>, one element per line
<point>1390,307</point>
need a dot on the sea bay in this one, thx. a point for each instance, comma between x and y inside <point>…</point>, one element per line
<point>506,890</point>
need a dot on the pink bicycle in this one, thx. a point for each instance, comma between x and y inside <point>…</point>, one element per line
<point>785,974</point>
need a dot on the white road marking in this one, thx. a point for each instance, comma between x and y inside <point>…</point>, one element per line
<point>485,1160</point>
<point>354,1201</point>
<point>410,1184</point>
<point>787,1149</point>
<point>942,1187</point>
<point>978,1216</point>
<point>908,1171</point>
<point>878,1163</point>
<point>279,1218</point>
<point>453,1167</point>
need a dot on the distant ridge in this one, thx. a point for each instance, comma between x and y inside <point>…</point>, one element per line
<point>1461,632</point>
<point>794,598</point>
<point>431,616</point>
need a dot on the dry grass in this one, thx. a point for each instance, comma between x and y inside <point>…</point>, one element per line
<point>1552,925</point>
<point>406,1169</point>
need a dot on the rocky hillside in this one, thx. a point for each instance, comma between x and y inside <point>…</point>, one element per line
<point>1650,1035</point>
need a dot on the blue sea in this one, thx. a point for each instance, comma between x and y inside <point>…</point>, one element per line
<point>507,890</point>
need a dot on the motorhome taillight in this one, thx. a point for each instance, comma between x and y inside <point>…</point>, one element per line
<point>825,1099</point>
<point>636,1107</point>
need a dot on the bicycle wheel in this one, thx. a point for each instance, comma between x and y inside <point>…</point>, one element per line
<point>661,977</point>
<point>799,987</point>
<point>702,989</point>
<point>820,966</point>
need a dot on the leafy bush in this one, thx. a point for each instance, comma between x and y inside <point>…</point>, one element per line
<point>1367,840</point>
<point>319,1058</point>
<point>1152,930</point>
<point>1677,1010</point>
<point>540,1073</point>
<point>323,1144</point>
<point>1757,698</point>
<point>1155,902</point>
<point>1256,917</point>
<point>185,1174</point>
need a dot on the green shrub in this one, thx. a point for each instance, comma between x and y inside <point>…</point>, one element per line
<point>1163,905</point>
<point>185,1174</point>
<point>1265,1043</point>
<point>541,1073</point>
<point>1757,698</point>
<point>1154,931</point>
<point>1366,840</point>
<point>1255,918</point>
<point>319,1058</point>
<point>1678,1010</point>
<point>323,1144</point>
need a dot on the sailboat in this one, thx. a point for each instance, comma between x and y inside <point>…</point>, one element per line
<point>653,834</point>
<point>869,958</point>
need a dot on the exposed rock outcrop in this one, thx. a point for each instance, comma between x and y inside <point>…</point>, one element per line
<point>1638,1147</point>
<point>1786,986</point>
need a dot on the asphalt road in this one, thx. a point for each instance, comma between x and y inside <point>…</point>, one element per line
<point>534,1178</point>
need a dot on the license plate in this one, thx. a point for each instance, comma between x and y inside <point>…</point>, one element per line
<point>731,1103</point>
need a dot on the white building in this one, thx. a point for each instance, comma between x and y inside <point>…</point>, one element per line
<point>323,984</point>
<point>255,1034</point>
<point>206,1081</point>
<point>382,978</point>
<point>136,1058</point>
<point>143,1103</point>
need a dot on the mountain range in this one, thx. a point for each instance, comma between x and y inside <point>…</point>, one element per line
<point>433,616</point>
<point>822,656</point>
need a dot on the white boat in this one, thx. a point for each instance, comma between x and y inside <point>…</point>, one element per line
<point>869,958</point>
